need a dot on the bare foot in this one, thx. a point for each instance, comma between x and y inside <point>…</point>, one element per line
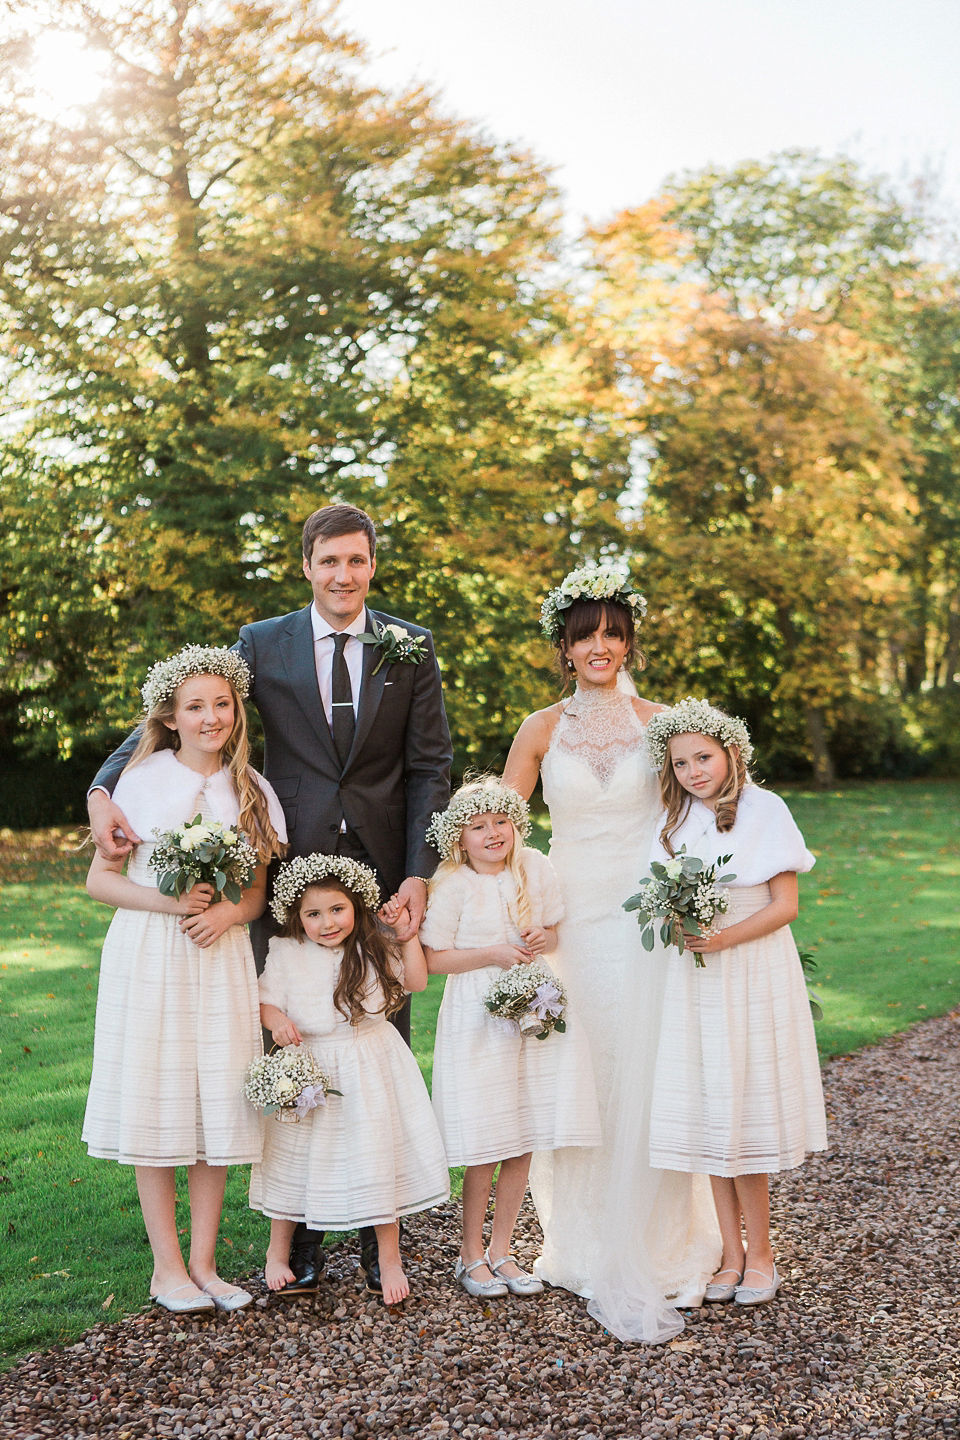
<point>277,1274</point>
<point>396,1286</point>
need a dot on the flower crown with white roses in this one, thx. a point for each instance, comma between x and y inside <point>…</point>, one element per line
<point>489,798</point>
<point>298,875</point>
<point>166,676</point>
<point>695,717</point>
<point>590,582</point>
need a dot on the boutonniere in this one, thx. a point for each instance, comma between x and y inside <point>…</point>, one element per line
<point>395,643</point>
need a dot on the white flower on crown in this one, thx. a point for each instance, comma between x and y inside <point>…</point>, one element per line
<point>590,582</point>
<point>166,676</point>
<point>299,874</point>
<point>695,717</point>
<point>490,798</point>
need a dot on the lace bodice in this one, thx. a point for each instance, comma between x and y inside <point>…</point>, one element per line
<point>601,728</point>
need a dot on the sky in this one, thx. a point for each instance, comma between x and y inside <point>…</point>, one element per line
<point>619,94</point>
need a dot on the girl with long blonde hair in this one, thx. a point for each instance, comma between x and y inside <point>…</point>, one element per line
<point>177,1009</point>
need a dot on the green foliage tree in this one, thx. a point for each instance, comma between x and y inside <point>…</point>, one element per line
<point>245,283</point>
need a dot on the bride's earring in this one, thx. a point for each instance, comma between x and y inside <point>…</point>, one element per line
<point>570,665</point>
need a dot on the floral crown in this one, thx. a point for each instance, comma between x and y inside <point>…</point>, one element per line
<point>590,582</point>
<point>298,875</point>
<point>489,798</point>
<point>695,717</point>
<point>166,676</point>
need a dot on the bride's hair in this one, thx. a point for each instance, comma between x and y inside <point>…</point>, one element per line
<point>582,618</point>
<point>254,818</point>
<point>460,857</point>
<point>677,801</point>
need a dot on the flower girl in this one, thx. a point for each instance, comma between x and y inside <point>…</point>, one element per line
<point>495,904</point>
<point>371,1153</point>
<point>737,1092</point>
<point>177,1016</point>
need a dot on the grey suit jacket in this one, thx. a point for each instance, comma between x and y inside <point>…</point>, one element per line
<point>397,772</point>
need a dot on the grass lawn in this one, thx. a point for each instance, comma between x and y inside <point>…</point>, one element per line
<point>879,911</point>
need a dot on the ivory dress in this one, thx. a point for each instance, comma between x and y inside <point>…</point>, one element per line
<point>606,1216</point>
<point>496,1093</point>
<point>176,1026</point>
<point>371,1153</point>
<point>737,1089</point>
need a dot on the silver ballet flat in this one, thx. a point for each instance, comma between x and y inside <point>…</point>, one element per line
<point>488,1289</point>
<point>522,1284</point>
<point>722,1294</point>
<point>749,1295</point>
<point>237,1300</point>
<point>193,1304</point>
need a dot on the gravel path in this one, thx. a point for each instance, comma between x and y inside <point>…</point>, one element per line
<point>863,1340</point>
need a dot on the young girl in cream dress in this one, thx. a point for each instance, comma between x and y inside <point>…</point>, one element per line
<point>498,1096</point>
<point>177,1007</point>
<point>737,1092</point>
<point>372,1152</point>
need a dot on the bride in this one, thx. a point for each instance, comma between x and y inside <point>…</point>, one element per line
<point>615,1230</point>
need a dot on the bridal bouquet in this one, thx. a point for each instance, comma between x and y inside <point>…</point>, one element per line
<point>287,1083</point>
<point>204,852</point>
<point>528,998</point>
<point>685,895</point>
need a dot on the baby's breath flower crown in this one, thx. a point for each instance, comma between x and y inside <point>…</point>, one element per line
<point>166,676</point>
<point>590,582</point>
<point>491,798</point>
<point>297,875</point>
<point>695,717</point>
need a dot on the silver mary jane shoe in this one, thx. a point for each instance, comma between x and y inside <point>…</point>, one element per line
<point>749,1295</point>
<point>237,1299</point>
<point>522,1284</point>
<point>723,1294</point>
<point>487,1289</point>
<point>189,1305</point>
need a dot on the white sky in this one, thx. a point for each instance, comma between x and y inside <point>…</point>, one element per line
<point>617,94</point>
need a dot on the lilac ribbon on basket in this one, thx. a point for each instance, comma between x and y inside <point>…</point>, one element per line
<point>546,1001</point>
<point>309,1098</point>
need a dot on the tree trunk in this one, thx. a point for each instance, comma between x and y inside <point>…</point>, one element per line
<point>824,774</point>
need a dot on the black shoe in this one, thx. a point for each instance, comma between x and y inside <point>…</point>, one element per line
<point>370,1259</point>
<point>307,1261</point>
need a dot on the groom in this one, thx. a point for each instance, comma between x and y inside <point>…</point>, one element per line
<point>359,760</point>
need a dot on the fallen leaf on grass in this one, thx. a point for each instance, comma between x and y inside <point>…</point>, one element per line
<point>108,1302</point>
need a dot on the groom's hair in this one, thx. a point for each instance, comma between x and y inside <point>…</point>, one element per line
<point>332,520</point>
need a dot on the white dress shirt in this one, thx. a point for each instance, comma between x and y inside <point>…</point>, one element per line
<point>323,648</point>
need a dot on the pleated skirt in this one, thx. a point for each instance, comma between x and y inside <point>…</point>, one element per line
<point>368,1155</point>
<point>176,1028</point>
<point>737,1087</point>
<point>497,1094</point>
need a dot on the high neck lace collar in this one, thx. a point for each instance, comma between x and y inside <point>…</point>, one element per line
<point>601,728</point>
<point>598,699</point>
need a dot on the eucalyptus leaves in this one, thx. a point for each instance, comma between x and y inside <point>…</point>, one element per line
<point>204,852</point>
<point>685,896</point>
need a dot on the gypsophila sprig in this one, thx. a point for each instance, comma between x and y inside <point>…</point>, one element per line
<point>590,582</point>
<point>685,896</point>
<point>204,852</point>
<point>168,675</point>
<point>530,999</point>
<point>287,1083</point>
<point>297,875</point>
<point>491,798</point>
<point>695,717</point>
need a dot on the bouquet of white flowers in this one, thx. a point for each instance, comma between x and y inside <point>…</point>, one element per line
<point>529,998</point>
<point>685,895</point>
<point>287,1083</point>
<point>204,852</point>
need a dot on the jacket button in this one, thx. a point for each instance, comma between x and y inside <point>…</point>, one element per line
<point>334,829</point>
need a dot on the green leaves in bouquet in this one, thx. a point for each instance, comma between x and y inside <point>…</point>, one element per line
<point>808,965</point>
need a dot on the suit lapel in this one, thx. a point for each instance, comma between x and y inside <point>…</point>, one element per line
<point>297,653</point>
<point>371,690</point>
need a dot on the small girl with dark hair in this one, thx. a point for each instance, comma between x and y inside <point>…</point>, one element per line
<point>737,1090</point>
<point>373,1152</point>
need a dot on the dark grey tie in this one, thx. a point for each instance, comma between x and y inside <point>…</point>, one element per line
<point>344,720</point>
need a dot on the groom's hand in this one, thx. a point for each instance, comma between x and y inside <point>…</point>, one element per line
<point>412,894</point>
<point>110,829</point>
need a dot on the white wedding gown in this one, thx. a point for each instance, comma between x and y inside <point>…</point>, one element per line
<point>614,1229</point>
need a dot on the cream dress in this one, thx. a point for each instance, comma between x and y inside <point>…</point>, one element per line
<point>176,1026</point>
<point>496,1093</point>
<point>737,1089</point>
<point>612,1225</point>
<point>369,1154</point>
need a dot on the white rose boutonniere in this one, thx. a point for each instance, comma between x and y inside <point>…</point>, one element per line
<point>395,644</point>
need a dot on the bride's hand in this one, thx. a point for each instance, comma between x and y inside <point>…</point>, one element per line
<point>506,956</point>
